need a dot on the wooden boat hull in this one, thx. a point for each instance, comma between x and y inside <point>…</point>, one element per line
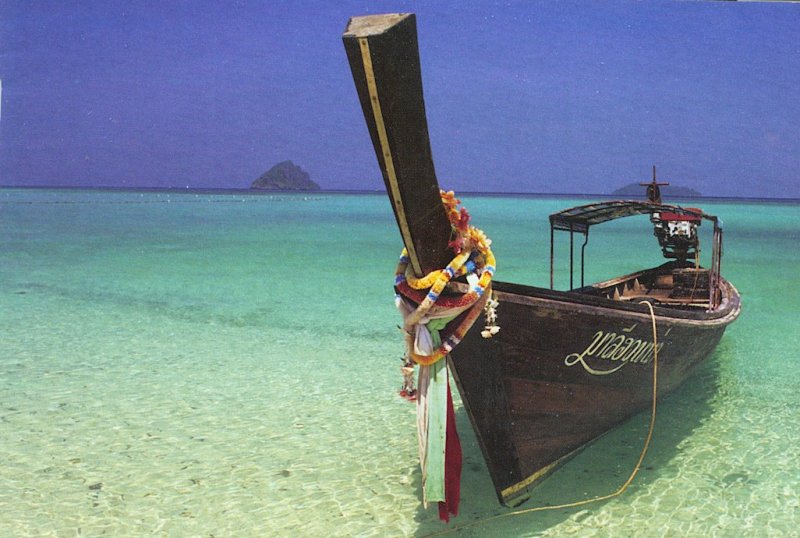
<point>566,368</point>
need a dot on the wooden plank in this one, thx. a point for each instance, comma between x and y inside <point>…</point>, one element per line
<point>384,59</point>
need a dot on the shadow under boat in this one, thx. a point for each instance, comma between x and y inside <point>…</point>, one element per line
<point>594,472</point>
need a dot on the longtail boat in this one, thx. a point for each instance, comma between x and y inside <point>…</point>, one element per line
<point>563,367</point>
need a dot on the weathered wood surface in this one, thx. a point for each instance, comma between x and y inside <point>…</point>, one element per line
<point>384,59</point>
<point>541,389</point>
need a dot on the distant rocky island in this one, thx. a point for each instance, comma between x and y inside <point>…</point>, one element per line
<point>285,176</point>
<point>667,191</point>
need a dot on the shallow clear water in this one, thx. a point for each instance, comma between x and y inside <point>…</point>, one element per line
<point>227,364</point>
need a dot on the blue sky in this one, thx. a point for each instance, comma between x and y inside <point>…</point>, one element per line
<point>534,96</point>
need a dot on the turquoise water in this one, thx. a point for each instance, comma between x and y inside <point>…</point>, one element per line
<point>195,364</point>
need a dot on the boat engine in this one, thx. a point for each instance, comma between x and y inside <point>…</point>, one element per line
<point>677,233</point>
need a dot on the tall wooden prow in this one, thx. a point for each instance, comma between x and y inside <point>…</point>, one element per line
<point>384,58</point>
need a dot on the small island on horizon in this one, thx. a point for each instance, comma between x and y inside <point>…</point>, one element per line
<point>285,176</point>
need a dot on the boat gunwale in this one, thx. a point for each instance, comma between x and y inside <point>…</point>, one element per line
<point>569,300</point>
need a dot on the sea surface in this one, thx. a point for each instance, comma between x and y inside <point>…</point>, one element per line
<point>227,364</point>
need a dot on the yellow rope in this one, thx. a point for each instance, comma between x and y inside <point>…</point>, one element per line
<point>624,486</point>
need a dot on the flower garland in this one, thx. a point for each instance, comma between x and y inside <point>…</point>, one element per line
<point>473,257</point>
<point>431,319</point>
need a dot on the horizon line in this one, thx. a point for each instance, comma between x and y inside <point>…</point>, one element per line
<point>249,190</point>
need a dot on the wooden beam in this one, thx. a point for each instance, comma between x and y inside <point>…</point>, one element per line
<point>384,58</point>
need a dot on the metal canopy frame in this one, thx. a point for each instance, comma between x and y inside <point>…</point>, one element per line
<point>580,218</point>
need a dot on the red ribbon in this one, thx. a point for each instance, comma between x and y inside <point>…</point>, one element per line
<point>452,465</point>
